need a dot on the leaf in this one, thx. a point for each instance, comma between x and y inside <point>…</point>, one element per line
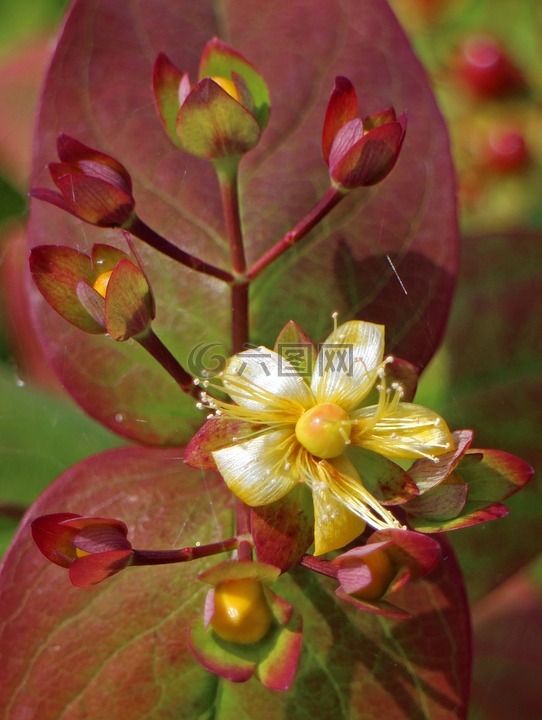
<point>385,255</point>
<point>120,649</point>
<point>494,386</point>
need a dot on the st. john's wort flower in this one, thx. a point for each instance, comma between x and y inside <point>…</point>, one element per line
<point>92,548</point>
<point>359,151</point>
<point>93,186</point>
<point>281,430</point>
<point>223,114</point>
<point>246,628</point>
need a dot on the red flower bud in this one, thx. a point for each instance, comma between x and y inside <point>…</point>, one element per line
<point>93,186</point>
<point>359,152</point>
<point>104,292</point>
<point>92,548</point>
<point>223,114</point>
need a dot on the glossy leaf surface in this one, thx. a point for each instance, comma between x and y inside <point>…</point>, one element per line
<point>75,653</point>
<point>386,254</point>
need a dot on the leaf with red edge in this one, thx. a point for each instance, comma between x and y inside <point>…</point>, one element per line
<point>398,272</point>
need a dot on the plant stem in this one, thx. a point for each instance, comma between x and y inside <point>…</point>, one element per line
<point>153,345</point>
<point>326,203</point>
<point>164,557</point>
<point>141,230</point>
<point>227,173</point>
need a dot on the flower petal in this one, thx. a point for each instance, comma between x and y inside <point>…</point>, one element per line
<point>334,524</point>
<point>347,364</point>
<point>258,471</point>
<point>261,379</point>
<point>409,431</point>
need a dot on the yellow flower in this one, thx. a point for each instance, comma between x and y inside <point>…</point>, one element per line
<point>292,431</point>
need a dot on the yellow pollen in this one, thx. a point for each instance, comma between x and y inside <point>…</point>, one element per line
<point>324,430</point>
<point>227,85</point>
<point>101,282</point>
<point>241,614</point>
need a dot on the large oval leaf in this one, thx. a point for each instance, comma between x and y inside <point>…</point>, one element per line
<point>119,649</point>
<point>387,254</point>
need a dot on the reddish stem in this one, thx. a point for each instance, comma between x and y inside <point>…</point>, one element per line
<point>164,557</point>
<point>227,173</point>
<point>141,230</point>
<point>153,345</point>
<point>326,203</point>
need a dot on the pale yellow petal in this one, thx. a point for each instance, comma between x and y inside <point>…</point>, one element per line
<point>260,379</point>
<point>409,431</point>
<point>347,364</point>
<point>258,471</point>
<point>334,524</point>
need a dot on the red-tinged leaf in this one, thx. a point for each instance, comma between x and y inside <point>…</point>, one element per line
<point>212,125</point>
<point>472,514</point>
<point>225,659</point>
<point>342,108</point>
<point>444,502</point>
<point>239,570</point>
<point>495,386</point>
<point>92,569</point>
<point>284,530</point>
<point>277,670</point>
<point>96,163</point>
<point>506,628</point>
<point>427,473</point>
<point>128,302</point>
<point>496,476</point>
<point>218,432</point>
<point>166,81</point>
<point>57,271</point>
<point>384,479</point>
<point>398,272</point>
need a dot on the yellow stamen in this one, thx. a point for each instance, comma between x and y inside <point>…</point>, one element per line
<point>324,430</point>
<point>101,283</point>
<point>241,614</point>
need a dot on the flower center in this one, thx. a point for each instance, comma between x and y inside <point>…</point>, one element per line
<point>324,430</point>
<point>101,282</point>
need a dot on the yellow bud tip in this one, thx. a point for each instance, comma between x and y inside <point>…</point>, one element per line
<point>227,85</point>
<point>81,553</point>
<point>324,430</point>
<point>241,614</point>
<point>101,283</point>
<point>382,573</point>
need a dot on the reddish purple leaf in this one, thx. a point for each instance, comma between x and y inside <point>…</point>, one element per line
<point>386,255</point>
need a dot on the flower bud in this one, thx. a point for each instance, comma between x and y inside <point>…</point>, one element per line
<point>93,186</point>
<point>359,152</point>
<point>104,292</point>
<point>486,70</point>
<point>92,548</point>
<point>223,114</point>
